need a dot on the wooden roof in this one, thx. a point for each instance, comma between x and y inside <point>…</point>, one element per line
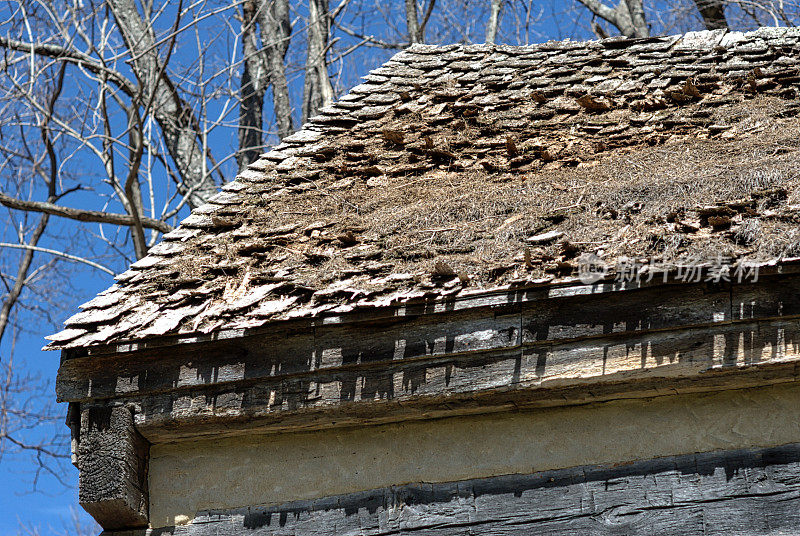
<point>456,170</point>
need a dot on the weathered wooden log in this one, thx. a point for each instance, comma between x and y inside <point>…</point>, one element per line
<point>293,349</point>
<point>112,458</point>
<point>568,348</point>
<point>743,492</point>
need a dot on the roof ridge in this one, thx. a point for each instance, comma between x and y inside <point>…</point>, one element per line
<point>692,40</point>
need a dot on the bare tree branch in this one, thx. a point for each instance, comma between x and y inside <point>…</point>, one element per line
<point>425,19</point>
<point>77,58</point>
<point>370,40</point>
<point>94,216</point>
<point>628,16</point>
<point>175,117</point>
<point>30,247</point>
<point>75,258</point>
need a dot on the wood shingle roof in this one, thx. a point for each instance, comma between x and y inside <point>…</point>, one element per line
<point>455,170</point>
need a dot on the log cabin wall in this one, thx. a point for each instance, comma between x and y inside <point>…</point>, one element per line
<point>539,379</point>
<point>753,492</point>
<point>191,480</point>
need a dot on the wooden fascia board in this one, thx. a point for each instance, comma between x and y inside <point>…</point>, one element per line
<point>207,420</point>
<point>433,304</point>
<point>574,348</point>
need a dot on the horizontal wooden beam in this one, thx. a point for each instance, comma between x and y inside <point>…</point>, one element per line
<point>730,356</point>
<point>422,304</point>
<point>750,492</point>
<point>561,350</point>
<point>293,352</point>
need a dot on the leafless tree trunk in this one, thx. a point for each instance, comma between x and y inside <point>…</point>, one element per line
<point>627,16</point>
<point>494,21</point>
<point>175,117</point>
<point>255,79</point>
<point>713,13</point>
<point>317,88</point>
<point>276,31</point>
<point>416,29</point>
<point>414,35</point>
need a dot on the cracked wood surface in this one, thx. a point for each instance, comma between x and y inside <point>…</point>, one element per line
<point>741,492</point>
<point>112,459</point>
<point>549,351</point>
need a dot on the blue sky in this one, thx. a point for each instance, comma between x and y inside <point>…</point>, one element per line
<point>47,502</point>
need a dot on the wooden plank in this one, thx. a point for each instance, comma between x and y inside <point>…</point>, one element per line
<point>691,361</point>
<point>643,310</point>
<point>435,304</point>
<point>285,354</point>
<point>466,359</point>
<point>743,492</point>
<point>112,460</point>
<point>618,365</point>
<point>766,300</point>
<point>291,351</point>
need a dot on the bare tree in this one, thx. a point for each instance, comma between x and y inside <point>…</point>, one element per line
<point>99,126</point>
<point>25,404</point>
<point>317,88</point>
<point>29,424</point>
<point>748,14</point>
<point>51,180</point>
<point>713,13</point>
<point>254,82</point>
<point>416,28</point>
<point>630,19</point>
<point>178,123</point>
<point>415,35</point>
<point>627,16</point>
<point>494,21</point>
<point>118,102</point>
<point>276,31</point>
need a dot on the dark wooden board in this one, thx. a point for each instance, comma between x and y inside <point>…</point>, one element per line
<point>161,419</point>
<point>346,347</point>
<point>112,459</point>
<point>744,492</point>
<point>515,293</point>
<point>572,347</point>
<point>723,356</point>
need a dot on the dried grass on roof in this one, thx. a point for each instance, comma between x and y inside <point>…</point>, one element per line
<point>437,175</point>
<point>621,203</point>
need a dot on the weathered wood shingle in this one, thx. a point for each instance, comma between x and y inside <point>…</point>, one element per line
<point>429,180</point>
